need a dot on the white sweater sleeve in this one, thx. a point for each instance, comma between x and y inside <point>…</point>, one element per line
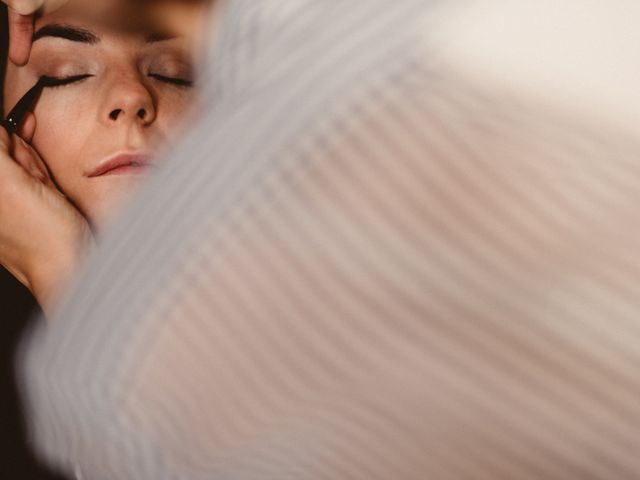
<point>363,263</point>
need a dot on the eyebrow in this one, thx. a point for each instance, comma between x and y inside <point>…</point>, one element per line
<point>81,35</point>
<point>67,32</point>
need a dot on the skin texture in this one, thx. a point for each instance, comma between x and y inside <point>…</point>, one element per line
<point>50,206</point>
<point>81,125</point>
<point>183,16</point>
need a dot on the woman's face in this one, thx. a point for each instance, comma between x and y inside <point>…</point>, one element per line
<point>130,93</point>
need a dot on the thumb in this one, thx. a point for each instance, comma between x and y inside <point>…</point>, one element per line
<point>25,156</point>
<point>27,132</point>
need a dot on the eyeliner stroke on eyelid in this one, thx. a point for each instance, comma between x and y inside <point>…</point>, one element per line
<point>177,81</point>
<point>172,65</point>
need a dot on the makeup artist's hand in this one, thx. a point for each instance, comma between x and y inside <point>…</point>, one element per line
<point>21,16</point>
<point>43,237</point>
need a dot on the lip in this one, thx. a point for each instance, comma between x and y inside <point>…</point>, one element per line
<point>123,163</point>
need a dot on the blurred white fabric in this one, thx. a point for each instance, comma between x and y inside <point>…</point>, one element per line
<point>401,243</point>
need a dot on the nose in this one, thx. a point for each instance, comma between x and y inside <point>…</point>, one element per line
<point>129,101</point>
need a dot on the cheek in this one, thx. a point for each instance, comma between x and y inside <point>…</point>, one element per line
<point>62,132</point>
<point>173,110</point>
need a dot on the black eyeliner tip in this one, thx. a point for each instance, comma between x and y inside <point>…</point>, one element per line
<point>46,81</point>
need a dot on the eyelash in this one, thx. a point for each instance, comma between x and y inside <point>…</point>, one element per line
<point>62,82</point>
<point>179,82</point>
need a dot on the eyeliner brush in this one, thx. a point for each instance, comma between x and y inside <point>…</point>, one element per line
<point>25,104</point>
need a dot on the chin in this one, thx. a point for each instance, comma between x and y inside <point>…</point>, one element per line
<point>109,199</point>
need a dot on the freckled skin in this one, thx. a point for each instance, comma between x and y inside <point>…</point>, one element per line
<point>76,126</point>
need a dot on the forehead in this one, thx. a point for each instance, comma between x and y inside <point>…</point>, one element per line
<point>88,27</point>
<point>130,14</point>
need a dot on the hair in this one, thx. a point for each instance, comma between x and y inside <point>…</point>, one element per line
<point>4,51</point>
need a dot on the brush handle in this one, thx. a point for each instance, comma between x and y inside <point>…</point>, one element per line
<point>5,125</point>
<point>17,114</point>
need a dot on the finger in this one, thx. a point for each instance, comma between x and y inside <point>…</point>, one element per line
<point>26,157</point>
<point>9,168</point>
<point>22,155</point>
<point>20,35</point>
<point>28,128</point>
<point>27,132</point>
<point>24,7</point>
<point>4,141</point>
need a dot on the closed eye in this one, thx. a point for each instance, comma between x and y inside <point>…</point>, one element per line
<point>180,82</point>
<point>53,82</point>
